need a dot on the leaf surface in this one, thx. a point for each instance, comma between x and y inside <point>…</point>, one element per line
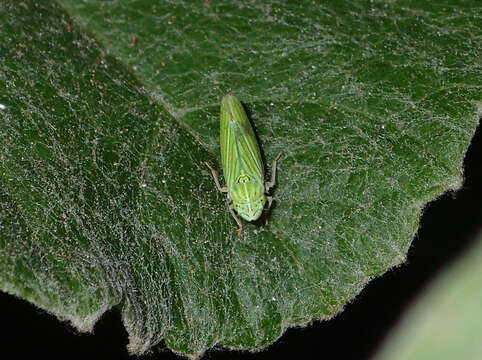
<point>105,200</point>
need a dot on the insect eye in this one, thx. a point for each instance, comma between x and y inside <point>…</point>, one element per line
<point>244,179</point>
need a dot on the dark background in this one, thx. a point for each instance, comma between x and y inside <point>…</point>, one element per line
<point>449,226</point>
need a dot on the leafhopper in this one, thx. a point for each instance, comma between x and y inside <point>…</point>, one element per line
<point>243,169</point>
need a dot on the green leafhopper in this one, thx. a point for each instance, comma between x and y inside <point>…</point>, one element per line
<point>243,167</point>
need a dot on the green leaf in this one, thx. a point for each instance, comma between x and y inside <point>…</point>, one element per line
<point>446,322</point>
<point>105,200</point>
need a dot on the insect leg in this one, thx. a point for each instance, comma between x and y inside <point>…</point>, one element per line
<point>216,180</point>
<point>238,221</point>
<point>270,201</point>
<point>271,183</point>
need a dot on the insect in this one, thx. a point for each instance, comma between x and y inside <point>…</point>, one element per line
<point>243,168</point>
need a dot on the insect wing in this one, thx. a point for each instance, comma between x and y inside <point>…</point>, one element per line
<point>239,149</point>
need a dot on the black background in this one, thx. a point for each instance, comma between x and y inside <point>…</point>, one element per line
<point>449,226</point>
